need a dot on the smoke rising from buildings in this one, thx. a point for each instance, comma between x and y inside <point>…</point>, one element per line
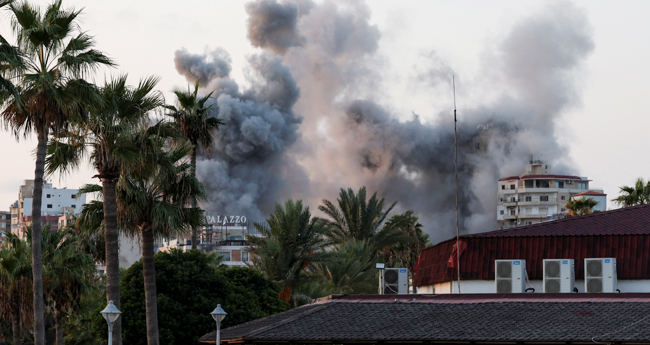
<point>321,61</point>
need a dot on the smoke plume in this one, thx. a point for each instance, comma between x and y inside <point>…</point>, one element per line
<point>322,62</point>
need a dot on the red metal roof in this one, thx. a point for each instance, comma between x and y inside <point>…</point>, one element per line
<point>564,177</point>
<point>623,234</point>
<point>589,192</point>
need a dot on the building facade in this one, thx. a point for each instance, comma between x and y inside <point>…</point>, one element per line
<point>225,235</point>
<point>536,195</point>
<point>56,202</point>
<point>623,234</point>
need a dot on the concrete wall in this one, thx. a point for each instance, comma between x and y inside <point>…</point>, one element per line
<point>488,286</point>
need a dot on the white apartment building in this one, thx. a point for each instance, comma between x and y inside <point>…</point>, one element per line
<point>536,195</point>
<point>56,202</point>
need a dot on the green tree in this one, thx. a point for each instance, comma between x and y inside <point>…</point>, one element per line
<point>192,119</point>
<point>580,207</point>
<point>152,205</point>
<point>350,268</point>
<point>112,138</point>
<point>15,285</point>
<point>639,194</point>
<point>189,287</point>
<point>69,274</point>
<point>43,96</point>
<point>290,242</point>
<point>405,254</point>
<point>358,219</point>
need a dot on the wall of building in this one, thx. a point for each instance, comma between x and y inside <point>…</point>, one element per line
<point>488,286</point>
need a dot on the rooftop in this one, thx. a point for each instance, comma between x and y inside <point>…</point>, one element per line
<point>469,318</point>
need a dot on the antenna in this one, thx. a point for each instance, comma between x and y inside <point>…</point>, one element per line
<point>453,83</point>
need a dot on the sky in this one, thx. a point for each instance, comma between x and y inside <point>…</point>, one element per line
<point>600,133</point>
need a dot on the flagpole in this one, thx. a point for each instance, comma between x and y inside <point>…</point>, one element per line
<point>453,83</point>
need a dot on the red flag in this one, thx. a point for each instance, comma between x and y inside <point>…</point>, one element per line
<point>453,258</point>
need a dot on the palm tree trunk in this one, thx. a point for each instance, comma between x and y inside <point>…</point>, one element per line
<point>59,328</point>
<point>37,255</point>
<point>112,254</point>
<point>194,203</point>
<point>150,286</point>
<point>15,326</point>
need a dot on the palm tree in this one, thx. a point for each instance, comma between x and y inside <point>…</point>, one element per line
<point>153,205</point>
<point>69,272</point>
<point>580,207</point>
<point>358,219</point>
<point>47,93</point>
<point>639,194</point>
<point>15,285</point>
<point>110,136</point>
<point>192,119</point>
<point>349,269</point>
<point>290,242</point>
<point>405,254</point>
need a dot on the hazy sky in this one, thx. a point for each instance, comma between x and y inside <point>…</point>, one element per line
<point>605,136</point>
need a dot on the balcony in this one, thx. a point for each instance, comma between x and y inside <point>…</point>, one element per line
<point>536,200</point>
<point>533,216</point>
<point>509,216</point>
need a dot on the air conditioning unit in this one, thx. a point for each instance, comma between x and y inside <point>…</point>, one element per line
<point>600,275</point>
<point>559,275</point>
<point>510,276</point>
<point>396,281</point>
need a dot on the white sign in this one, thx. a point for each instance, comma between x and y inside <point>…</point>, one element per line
<point>226,220</point>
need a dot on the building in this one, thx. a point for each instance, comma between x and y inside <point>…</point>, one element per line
<point>452,319</point>
<point>623,234</point>
<point>56,202</point>
<point>224,234</point>
<point>599,197</point>
<point>536,194</point>
<point>5,224</point>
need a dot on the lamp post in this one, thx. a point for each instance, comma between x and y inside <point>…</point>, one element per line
<point>381,266</point>
<point>110,313</point>
<point>218,315</point>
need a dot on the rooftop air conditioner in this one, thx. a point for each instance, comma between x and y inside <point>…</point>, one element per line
<point>510,276</point>
<point>396,281</point>
<point>559,275</point>
<point>600,275</point>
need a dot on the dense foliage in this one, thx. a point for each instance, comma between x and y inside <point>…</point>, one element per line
<point>189,287</point>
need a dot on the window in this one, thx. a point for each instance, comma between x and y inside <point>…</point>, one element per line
<point>560,184</point>
<point>503,186</point>
<point>226,255</point>
<point>543,198</point>
<point>562,210</point>
<point>74,196</point>
<point>501,199</point>
<point>48,195</point>
<point>244,255</point>
<point>529,198</point>
<point>502,212</point>
<point>529,223</point>
<point>582,185</point>
<point>74,206</point>
<point>512,186</point>
<point>49,205</point>
<point>562,197</point>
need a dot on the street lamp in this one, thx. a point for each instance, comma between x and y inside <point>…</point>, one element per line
<point>110,313</point>
<point>218,315</point>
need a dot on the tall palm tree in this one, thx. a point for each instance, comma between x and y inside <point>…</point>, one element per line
<point>580,207</point>
<point>15,285</point>
<point>197,127</point>
<point>153,205</point>
<point>360,219</point>
<point>350,268</point>
<point>111,138</point>
<point>49,90</point>
<point>291,241</point>
<point>405,254</point>
<point>639,194</point>
<point>69,273</point>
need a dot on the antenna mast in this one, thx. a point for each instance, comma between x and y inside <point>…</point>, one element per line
<point>453,83</point>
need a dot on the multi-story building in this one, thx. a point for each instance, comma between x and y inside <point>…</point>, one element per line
<point>56,202</point>
<point>224,234</point>
<point>535,195</point>
<point>5,225</point>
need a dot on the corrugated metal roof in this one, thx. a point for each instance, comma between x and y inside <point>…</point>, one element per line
<point>623,234</point>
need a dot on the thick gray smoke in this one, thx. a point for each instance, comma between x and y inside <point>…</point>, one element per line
<point>349,138</point>
<point>205,67</point>
<point>245,170</point>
